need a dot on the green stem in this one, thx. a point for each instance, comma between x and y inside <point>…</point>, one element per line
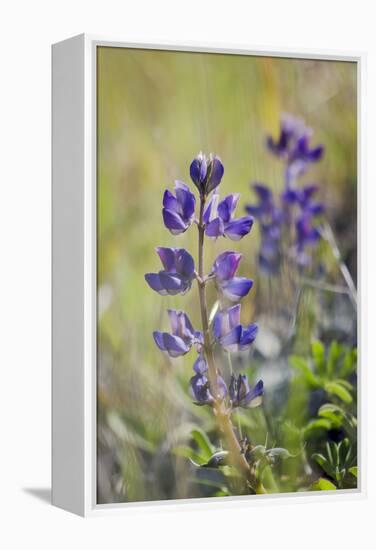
<point>222,415</point>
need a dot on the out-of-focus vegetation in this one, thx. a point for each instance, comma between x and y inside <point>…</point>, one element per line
<point>156,111</point>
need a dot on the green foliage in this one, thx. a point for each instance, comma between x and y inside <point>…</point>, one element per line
<point>323,484</point>
<point>328,369</point>
<point>338,463</point>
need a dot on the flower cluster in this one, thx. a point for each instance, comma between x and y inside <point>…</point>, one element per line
<point>293,215</point>
<point>216,219</point>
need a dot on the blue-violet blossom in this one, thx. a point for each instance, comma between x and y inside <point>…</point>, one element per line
<point>206,173</point>
<point>230,334</point>
<point>241,394</point>
<point>178,211</point>
<point>182,338</point>
<point>177,275</point>
<point>219,221</point>
<point>224,269</point>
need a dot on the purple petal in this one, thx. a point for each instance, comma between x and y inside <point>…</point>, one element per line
<point>248,336</point>
<point>227,206</point>
<point>215,228</point>
<point>316,153</point>
<point>174,222</point>
<point>221,388</point>
<point>173,345</point>
<point>254,399</point>
<point>236,288</point>
<point>200,366</point>
<point>181,325</point>
<point>185,265</point>
<point>290,196</point>
<point>211,210</point>
<point>225,320</point>
<point>200,390</point>
<point>216,174</point>
<point>172,283</point>
<point>226,264</point>
<point>169,201</point>
<point>194,171</point>
<point>263,192</point>
<point>167,257</point>
<point>187,202</point>
<point>316,209</point>
<point>230,342</point>
<point>237,229</point>
<point>154,281</point>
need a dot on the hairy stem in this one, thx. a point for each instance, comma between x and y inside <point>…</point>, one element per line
<point>223,418</point>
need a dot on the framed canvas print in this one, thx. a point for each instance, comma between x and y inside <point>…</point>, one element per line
<point>205,275</point>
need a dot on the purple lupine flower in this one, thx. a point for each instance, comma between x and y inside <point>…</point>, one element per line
<point>177,275</point>
<point>293,146</point>
<point>182,338</point>
<point>224,269</point>
<point>306,234</point>
<point>178,211</point>
<point>218,217</point>
<point>271,218</point>
<point>203,394</point>
<point>241,394</point>
<point>265,206</point>
<point>303,198</point>
<point>200,365</point>
<point>230,334</point>
<point>206,173</point>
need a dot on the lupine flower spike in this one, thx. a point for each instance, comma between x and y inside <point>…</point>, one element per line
<point>215,219</point>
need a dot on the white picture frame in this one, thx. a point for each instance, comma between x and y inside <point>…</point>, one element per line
<point>74,275</point>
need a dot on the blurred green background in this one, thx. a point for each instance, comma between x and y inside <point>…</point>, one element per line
<point>155,111</point>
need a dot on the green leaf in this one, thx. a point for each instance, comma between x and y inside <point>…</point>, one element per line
<point>333,413</point>
<point>324,463</point>
<point>337,388</point>
<point>318,424</point>
<point>302,365</point>
<point>354,471</point>
<point>187,452</point>
<point>318,354</point>
<point>279,452</point>
<point>323,484</point>
<point>334,354</point>
<point>203,443</point>
<point>349,363</point>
